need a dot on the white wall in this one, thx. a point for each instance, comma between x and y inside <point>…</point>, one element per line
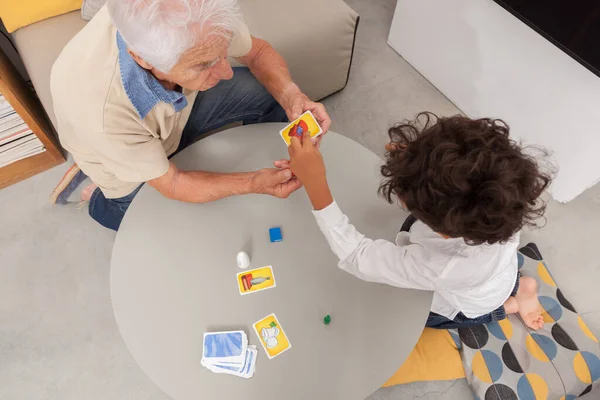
<point>490,64</point>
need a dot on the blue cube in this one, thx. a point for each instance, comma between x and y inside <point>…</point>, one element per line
<point>275,235</point>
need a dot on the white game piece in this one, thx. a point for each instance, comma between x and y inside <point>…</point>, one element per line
<point>243,260</point>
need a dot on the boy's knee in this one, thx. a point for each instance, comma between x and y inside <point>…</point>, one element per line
<point>528,284</point>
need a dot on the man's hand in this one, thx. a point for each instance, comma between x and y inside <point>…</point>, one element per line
<point>307,164</point>
<point>277,182</point>
<point>204,186</point>
<point>296,103</point>
<point>271,70</point>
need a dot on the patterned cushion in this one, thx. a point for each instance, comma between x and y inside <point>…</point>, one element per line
<point>507,361</point>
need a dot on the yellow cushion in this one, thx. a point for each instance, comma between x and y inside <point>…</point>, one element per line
<point>434,358</point>
<point>19,13</point>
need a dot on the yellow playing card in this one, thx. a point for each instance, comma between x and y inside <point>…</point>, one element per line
<point>271,336</point>
<point>306,121</point>
<point>256,280</point>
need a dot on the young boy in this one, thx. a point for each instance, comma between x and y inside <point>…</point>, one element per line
<point>470,190</point>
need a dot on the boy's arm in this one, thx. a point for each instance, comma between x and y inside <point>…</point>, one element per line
<point>375,261</point>
<point>319,193</point>
<point>371,260</point>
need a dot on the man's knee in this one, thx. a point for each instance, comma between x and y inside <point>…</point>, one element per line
<point>269,109</point>
<point>275,114</point>
<point>110,212</point>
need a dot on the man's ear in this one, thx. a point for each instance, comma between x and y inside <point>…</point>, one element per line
<point>139,60</point>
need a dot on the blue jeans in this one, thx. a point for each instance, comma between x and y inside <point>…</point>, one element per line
<point>438,321</point>
<point>240,99</point>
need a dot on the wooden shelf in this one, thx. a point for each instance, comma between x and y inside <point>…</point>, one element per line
<point>23,169</point>
<point>27,105</point>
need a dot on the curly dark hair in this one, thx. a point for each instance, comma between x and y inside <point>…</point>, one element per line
<point>463,178</point>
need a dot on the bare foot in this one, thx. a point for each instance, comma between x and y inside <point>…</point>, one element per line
<point>530,309</point>
<point>86,193</point>
<point>511,306</point>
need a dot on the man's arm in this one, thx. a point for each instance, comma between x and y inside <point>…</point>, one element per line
<point>203,186</point>
<point>271,70</point>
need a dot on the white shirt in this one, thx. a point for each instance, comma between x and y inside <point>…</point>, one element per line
<point>474,280</point>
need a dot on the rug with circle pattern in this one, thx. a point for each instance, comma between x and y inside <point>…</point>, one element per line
<point>507,361</point>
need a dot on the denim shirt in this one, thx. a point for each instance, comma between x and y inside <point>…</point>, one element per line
<point>142,88</point>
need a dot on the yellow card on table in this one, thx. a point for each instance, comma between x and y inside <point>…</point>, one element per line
<point>306,121</point>
<point>256,280</point>
<point>271,336</point>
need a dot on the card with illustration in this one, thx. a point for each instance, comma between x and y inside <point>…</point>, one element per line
<point>305,122</point>
<point>271,336</point>
<point>256,280</point>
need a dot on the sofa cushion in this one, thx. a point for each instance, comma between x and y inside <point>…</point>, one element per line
<point>17,14</point>
<point>317,45</point>
<point>506,361</point>
<point>40,44</point>
<point>423,364</point>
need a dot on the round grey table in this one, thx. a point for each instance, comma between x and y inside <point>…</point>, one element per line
<point>173,277</point>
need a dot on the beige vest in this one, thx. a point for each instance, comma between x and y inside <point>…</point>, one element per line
<point>98,124</point>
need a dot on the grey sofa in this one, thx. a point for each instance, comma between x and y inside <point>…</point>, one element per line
<point>316,37</point>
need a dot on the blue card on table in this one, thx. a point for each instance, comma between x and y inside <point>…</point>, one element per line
<point>227,348</point>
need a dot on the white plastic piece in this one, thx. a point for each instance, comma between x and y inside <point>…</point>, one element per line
<point>243,260</point>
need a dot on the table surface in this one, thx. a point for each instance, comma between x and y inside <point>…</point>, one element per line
<point>173,277</point>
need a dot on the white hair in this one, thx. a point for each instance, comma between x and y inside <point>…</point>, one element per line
<point>160,31</point>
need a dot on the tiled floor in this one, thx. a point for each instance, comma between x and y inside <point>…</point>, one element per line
<point>58,337</point>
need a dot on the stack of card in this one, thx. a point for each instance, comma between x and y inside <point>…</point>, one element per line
<point>229,353</point>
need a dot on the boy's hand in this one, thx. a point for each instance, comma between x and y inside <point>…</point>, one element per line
<point>307,164</point>
<point>306,161</point>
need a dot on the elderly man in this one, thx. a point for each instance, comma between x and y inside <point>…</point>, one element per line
<point>144,79</point>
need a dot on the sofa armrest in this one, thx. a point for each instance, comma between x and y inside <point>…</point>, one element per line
<point>315,37</point>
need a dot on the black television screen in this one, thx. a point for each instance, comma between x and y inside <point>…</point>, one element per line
<point>572,25</point>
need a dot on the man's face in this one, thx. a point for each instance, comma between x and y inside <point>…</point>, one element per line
<point>202,66</point>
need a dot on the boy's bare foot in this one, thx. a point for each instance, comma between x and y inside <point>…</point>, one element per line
<point>86,193</point>
<point>511,306</point>
<point>529,307</point>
